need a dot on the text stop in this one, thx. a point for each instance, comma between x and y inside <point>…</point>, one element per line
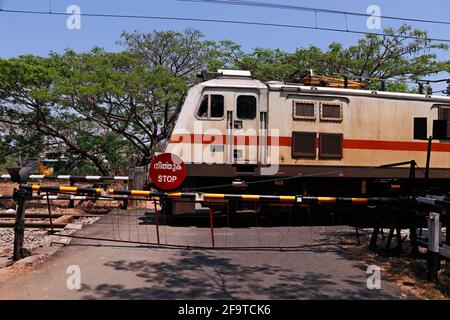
<point>167,171</point>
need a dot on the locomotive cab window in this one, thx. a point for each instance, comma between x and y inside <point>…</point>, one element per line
<point>304,110</point>
<point>203,109</point>
<point>330,111</point>
<point>246,107</point>
<point>217,106</point>
<point>211,107</point>
<point>330,145</point>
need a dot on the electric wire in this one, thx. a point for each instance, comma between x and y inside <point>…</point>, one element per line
<point>315,10</point>
<point>224,21</point>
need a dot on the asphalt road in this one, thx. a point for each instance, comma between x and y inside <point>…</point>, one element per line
<point>129,271</point>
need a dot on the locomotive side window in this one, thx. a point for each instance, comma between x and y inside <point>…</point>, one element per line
<point>305,110</point>
<point>246,107</point>
<point>217,106</point>
<point>304,145</point>
<point>211,107</point>
<point>203,109</point>
<point>330,145</point>
<point>444,114</point>
<point>330,111</point>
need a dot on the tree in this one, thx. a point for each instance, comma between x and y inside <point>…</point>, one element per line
<point>118,93</point>
<point>102,106</point>
<point>404,52</point>
<point>30,106</point>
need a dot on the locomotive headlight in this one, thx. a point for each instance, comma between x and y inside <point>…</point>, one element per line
<point>239,184</point>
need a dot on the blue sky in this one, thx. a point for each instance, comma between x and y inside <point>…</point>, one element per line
<point>40,34</point>
<point>22,33</point>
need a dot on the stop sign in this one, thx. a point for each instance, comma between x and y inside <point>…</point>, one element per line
<point>167,171</point>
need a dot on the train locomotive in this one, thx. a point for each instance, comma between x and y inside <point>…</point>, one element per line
<point>237,134</point>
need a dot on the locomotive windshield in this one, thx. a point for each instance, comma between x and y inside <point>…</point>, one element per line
<point>246,107</point>
<point>212,106</point>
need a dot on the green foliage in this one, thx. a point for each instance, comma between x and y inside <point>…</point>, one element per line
<point>405,52</point>
<point>9,161</point>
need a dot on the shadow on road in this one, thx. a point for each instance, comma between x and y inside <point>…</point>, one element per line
<point>203,275</point>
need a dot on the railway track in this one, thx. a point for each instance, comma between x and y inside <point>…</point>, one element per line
<point>37,220</point>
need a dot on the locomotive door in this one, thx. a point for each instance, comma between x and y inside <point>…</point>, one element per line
<point>243,128</point>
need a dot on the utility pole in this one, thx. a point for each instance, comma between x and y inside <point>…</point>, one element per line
<point>20,196</point>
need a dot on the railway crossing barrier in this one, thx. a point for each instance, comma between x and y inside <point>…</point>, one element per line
<point>73,179</point>
<point>200,197</point>
<point>27,192</point>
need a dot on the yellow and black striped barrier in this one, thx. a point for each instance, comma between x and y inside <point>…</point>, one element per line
<point>257,198</point>
<point>63,189</point>
<point>201,197</point>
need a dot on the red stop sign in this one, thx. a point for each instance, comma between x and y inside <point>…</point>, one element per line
<point>167,171</point>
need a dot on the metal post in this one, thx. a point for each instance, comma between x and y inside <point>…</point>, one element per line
<point>20,197</point>
<point>72,202</point>
<point>412,175</point>
<point>434,236</point>
<point>447,229</point>
<point>157,223</point>
<point>50,214</point>
<point>125,202</point>
<point>211,224</point>
<point>413,233</point>
<point>427,169</point>
<point>376,230</point>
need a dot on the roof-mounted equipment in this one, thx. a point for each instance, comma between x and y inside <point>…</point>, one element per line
<point>425,86</point>
<point>205,75</point>
<point>310,79</point>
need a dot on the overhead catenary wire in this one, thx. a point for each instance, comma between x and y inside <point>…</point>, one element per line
<point>311,9</point>
<point>223,21</point>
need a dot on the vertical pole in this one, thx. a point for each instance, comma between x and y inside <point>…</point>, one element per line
<point>413,233</point>
<point>71,201</point>
<point>20,196</point>
<point>412,177</point>
<point>157,223</point>
<point>376,230</point>
<point>125,202</point>
<point>434,235</point>
<point>358,239</point>
<point>447,229</point>
<point>50,214</point>
<point>211,223</point>
<point>427,169</point>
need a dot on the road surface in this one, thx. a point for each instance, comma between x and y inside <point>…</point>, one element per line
<point>129,271</point>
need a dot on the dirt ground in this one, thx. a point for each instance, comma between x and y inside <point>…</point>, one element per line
<point>408,273</point>
<point>6,188</point>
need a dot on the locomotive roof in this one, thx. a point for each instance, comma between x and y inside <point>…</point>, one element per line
<point>247,82</point>
<point>235,82</point>
<point>298,88</point>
